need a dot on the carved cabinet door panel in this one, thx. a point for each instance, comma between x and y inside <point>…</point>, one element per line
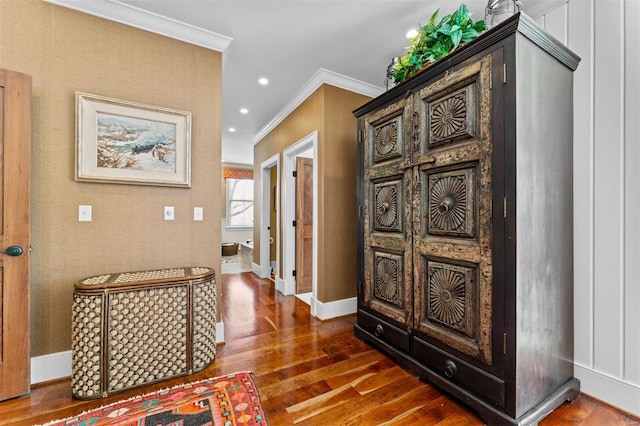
<point>452,211</point>
<point>387,215</point>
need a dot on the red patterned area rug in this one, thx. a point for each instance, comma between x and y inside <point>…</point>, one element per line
<point>227,401</point>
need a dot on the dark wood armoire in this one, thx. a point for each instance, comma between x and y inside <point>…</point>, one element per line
<point>466,223</point>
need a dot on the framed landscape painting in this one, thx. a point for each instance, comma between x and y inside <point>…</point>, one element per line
<point>131,143</point>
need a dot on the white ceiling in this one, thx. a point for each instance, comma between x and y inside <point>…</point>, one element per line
<point>287,42</point>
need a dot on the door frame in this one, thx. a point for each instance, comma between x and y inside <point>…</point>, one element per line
<point>289,214</point>
<point>264,270</point>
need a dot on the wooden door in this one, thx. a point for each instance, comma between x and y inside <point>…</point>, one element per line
<point>387,220</point>
<point>453,211</point>
<point>273,215</point>
<point>15,148</point>
<point>304,225</point>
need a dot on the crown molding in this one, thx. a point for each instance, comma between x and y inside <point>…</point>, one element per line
<point>116,11</point>
<point>322,76</point>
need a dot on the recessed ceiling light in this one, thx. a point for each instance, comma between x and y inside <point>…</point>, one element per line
<point>412,33</point>
<point>263,81</point>
<point>232,129</point>
<point>244,111</point>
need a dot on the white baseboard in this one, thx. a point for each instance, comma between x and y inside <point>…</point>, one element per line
<point>50,367</point>
<point>289,287</point>
<point>334,309</point>
<point>58,365</point>
<point>280,285</point>
<point>613,391</point>
<point>220,332</point>
<point>286,289</point>
<point>258,270</point>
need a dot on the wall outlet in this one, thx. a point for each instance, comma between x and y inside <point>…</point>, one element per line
<point>198,213</point>
<point>84,213</point>
<point>168,213</point>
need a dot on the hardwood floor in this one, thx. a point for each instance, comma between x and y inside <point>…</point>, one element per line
<point>308,372</point>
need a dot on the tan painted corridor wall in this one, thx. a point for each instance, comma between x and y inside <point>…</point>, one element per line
<point>67,51</point>
<point>329,111</point>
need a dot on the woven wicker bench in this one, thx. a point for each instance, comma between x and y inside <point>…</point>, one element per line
<point>135,328</point>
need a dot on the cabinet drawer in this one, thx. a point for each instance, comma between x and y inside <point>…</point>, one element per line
<point>384,331</point>
<point>454,369</point>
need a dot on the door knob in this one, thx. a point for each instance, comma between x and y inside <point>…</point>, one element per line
<point>13,251</point>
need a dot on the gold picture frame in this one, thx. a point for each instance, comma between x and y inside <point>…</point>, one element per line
<point>131,143</point>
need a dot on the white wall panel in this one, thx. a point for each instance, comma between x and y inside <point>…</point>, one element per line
<point>581,42</point>
<point>555,22</point>
<point>632,191</point>
<point>605,34</point>
<point>609,185</point>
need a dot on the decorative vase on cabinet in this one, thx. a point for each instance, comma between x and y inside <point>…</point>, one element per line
<point>465,233</point>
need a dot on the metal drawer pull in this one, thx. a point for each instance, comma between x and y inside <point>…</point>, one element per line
<point>451,369</point>
<point>445,205</point>
<point>379,331</point>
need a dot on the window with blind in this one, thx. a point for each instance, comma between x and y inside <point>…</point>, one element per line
<point>239,203</point>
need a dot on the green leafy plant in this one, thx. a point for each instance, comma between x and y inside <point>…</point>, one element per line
<point>437,39</point>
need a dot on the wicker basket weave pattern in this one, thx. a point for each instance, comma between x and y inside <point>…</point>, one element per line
<point>204,327</point>
<point>131,329</point>
<point>147,336</point>
<point>100,279</point>
<point>86,354</point>
<point>161,274</point>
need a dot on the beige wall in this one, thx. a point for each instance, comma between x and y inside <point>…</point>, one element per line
<point>338,208</point>
<point>302,121</point>
<point>67,51</point>
<point>329,111</point>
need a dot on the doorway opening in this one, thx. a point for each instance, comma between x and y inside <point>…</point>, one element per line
<point>306,147</point>
<point>270,220</point>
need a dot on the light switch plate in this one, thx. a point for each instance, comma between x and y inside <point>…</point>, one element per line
<point>168,213</point>
<point>84,213</point>
<point>198,213</point>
